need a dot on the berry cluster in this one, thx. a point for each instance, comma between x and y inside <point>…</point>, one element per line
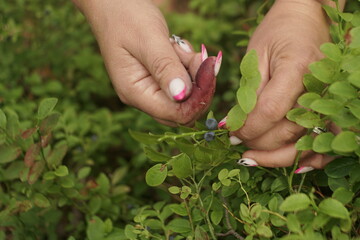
<point>211,124</point>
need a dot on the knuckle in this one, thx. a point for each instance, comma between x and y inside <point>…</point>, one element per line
<point>289,134</point>
<point>271,110</point>
<point>160,64</point>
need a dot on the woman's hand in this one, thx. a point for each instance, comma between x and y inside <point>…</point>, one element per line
<point>287,41</point>
<point>147,70</point>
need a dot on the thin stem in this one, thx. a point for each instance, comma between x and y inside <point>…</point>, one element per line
<point>275,214</point>
<point>290,179</point>
<point>302,182</point>
<point>190,134</point>
<point>268,171</point>
<point>190,218</point>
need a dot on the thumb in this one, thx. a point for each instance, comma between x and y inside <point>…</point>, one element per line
<point>160,59</point>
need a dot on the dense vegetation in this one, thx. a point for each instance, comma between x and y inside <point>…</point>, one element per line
<point>70,169</point>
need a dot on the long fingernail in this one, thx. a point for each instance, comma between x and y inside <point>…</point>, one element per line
<point>177,89</point>
<point>247,162</point>
<point>204,54</point>
<point>218,63</point>
<point>303,170</point>
<point>235,140</point>
<point>222,123</point>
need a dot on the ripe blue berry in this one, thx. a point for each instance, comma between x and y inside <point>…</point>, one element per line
<point>209,136</point>
<point>211,124</point>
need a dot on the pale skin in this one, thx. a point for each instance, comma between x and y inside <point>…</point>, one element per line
<point>141,62</point>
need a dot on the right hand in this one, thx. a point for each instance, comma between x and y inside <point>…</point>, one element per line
<point>147,70</point>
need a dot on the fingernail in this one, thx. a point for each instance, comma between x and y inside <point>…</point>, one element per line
<point>218,63</point>
<point>204,54</point>
<point>181,43</point>
<point>303,170</point>
<point>222,123</point>
<point>247,162</point>
<point>171,40</point>
<point>177,89</point>
<point>235,140</point>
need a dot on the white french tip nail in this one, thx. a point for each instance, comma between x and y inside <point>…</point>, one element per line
<point>204,54</point>
<point>184,46</point>
<point>303,170</point>
<point>218,63</point>
<point>177,89</point>
<point>235,140</point>
<point>247,162</point>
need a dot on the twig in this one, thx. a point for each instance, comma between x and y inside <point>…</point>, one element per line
<point>228,224</point>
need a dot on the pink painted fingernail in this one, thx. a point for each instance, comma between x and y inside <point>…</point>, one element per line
<point>303,170</point>
<point>247,162</point>
<point>204,54</point>
<point>177,89</point>
<point>235,140</point>
<point>222,123</point>
<point>218,63</point>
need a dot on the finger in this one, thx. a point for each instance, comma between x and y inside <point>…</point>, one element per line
<point>284,132</point>
<point>276,99</point>
<point>281,157</point>
<point>156,53</point>
<point>147,96</point>
<point>315,161</point>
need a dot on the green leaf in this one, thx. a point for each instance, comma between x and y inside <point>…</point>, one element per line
<point>49,123</point>
<point>279,184</point>
<point>332,51</point>
<point>179,225</point>
<point>96,229</point>
<point>304,143</point>
<point>156,175</point>
<point>295,202</point>
<point>309,120</point>
<point>174,189</point>
<point>324,70</point>
<point>294,113</point>
<point>181,165</point>
<point>2,119</point>
<point>46,106</point>
<point>322,142</point>
<point>178,209</point>
<point>326,106</point>
<point>223,174</point>
<point>216,216</point>
<point>145,138</point>
<point>340,167</point>
<point>264,231</point>
<point>83,172</point>
<point>312,84</point>
<point>249,67</point>
<point>350,63</point>
<point>345,118</point>
<point>61,171</point>
<point>345,142</point>
<point>57,155</point>
<point>9,153</point>
<point>343,195</point>
<point>354,107</point>
<point>255,211</point>
<point>67,182</point>
<point>155,156</point>
<point>333,208</point>
<point>235,118</point>
<point>246,98</point>
<point>347,17</point>
<point>41,201</point>
<point>333,13</point>
<point>293,223</point>
<point>354,79</point>
<point>130,232</point>
<point>233,173</point>
<point>355,37</point>
<point>343,89</point>
<point>320,220</point>
<point>200,234</point>
<point>306,99</point>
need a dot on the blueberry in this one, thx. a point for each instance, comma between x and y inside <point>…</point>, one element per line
<point>211,124</point>
<point>209,136</point>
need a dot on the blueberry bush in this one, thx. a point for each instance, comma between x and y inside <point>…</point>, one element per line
<point>70,168</point>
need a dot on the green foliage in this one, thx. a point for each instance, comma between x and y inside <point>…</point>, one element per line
<point>70,169</point>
